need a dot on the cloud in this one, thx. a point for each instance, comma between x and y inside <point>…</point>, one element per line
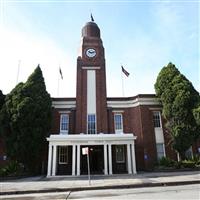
<point>31,51</point>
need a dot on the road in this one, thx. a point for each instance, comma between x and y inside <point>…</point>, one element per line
<point>187,192</point>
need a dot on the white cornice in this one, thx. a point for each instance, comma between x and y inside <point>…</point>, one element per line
<point>113,103</point>
<point>133,103</point>
<point>96,138</point>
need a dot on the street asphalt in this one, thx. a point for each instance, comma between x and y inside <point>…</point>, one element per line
<point>68,183</point>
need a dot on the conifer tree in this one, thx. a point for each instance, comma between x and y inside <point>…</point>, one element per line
<point>181,104</point>
<point>27,117</point>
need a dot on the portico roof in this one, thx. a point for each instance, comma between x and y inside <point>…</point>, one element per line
<point>92,139</point>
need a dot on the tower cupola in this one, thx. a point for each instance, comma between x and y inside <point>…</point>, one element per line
<point>91,30</point>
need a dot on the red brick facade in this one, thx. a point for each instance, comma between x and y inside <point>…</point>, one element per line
<point>137,111</point>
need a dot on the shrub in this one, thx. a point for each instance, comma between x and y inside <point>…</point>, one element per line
<point>167,162</point>
<point>13,168</point>
<point>196,159</point>
<point>188,164</point>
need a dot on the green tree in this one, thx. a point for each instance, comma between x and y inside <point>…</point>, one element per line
<point>27,119</point>
<point>180,107</point>
<point>2,99</point>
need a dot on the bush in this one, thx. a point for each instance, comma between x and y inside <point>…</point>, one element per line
<point>196,159</point>
<point>188,164</point>
<point>13,168</point>
<point>167,162</point>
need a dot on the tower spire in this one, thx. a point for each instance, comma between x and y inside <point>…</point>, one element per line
<point>92,19</point>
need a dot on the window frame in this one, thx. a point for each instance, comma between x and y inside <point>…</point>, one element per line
<point>65,159</point>
<point>154,119</point>
<point>91,131</point>
<point>115,123</point>
<point>163,148</point>
<point>123,154</point>
<point>61,122</point>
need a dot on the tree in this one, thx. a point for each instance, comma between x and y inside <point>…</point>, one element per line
<point>27,114</point>
<point>180,107</point>
<point>2,99</point>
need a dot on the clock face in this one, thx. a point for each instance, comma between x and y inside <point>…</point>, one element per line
<point>91,53</point>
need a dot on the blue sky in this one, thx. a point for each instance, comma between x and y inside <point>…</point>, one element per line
<point>144,36</point>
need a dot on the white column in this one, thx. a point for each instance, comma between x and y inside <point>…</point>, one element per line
<point>54,160</point>
<point>78,160</point>
<point>49,160</point>
<point>105,160</point>
<point>73,159</point>
<point>110,158</point>
<point>133,158</point>
<point>129,159</point>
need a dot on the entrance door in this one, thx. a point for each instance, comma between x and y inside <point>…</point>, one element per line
<point>96,160</point>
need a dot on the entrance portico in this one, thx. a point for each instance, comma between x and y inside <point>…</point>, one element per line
<point>76,142</point>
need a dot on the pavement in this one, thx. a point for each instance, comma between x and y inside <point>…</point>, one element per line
<point>41,184</point>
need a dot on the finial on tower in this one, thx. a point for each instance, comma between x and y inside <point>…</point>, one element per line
<point>92,19</point>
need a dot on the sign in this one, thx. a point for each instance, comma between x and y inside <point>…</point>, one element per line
<point>85,151</point>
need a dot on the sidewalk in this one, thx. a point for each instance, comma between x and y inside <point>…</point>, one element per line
<point>68,183</point>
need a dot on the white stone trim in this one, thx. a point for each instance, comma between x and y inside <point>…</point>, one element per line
<point>114,104</point>
<point>118,111</point>
<point>64,111</point>
<point>133,103</point>
<point>64,104</point>
<point>91,68</point>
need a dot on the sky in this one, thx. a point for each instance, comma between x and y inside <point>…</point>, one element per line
<point>143,36</point>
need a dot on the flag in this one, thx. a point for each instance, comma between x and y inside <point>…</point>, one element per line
<point>92,19</point>
<point>60,73</point>
<point>124,71</point>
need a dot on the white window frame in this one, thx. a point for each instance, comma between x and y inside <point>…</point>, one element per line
<point>123,155</point>
<point>118,130</point>
<point>62,160</point>
<point>95,123</point>
<point>163,146</point>
<point>160,121</point>
<point>61,117</point>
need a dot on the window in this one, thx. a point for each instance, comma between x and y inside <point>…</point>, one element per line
<point>63,155</point>
<point>160,150</point>
<point>189,153</point>
<point>156,119</point>
<point>120,158</point>
<point>118,123</point>
<point>91,124</point>
<point>64,123</point>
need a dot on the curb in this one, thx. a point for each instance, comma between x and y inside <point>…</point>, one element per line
<point>52,190</point>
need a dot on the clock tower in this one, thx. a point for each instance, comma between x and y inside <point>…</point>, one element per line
<point>91,104</point>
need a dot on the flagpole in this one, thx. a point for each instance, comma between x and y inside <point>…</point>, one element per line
<point>122,83</point>
<point>18,69</point>
<point>58,86</point>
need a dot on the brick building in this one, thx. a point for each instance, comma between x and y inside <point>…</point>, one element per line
<point>123,134</point>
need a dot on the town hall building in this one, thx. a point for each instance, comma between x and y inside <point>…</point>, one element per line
<point>123,135</point>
